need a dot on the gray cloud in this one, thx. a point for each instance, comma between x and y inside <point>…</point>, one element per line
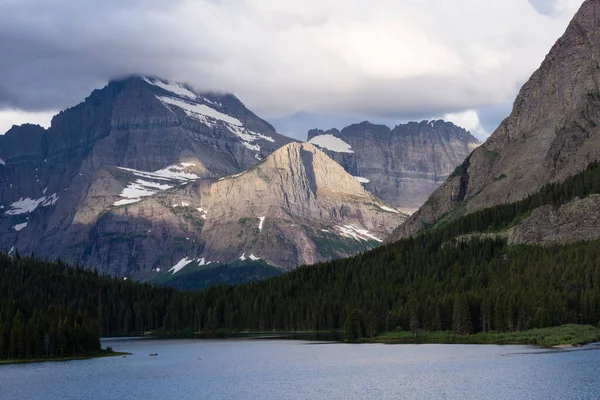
<point>332,58</point>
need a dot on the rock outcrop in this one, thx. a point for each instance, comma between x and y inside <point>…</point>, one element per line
<point>402,166</point>
<point>551,134</point>
<point>576,221</point>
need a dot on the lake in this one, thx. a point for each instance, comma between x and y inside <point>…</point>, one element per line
<point>294,369</point>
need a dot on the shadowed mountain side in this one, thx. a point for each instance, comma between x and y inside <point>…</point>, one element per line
<point>551,134</point>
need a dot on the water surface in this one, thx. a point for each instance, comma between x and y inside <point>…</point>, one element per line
<point>284,369</point>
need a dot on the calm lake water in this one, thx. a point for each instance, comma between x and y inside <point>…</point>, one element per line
<point>278,369</point>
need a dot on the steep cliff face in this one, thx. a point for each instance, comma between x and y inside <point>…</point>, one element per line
<point>551,134</point>
<point>147,177</point>
<point>54,183</point>
<point>297,207</point>
<point>402,166</point>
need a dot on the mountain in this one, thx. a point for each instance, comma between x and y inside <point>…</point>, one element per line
<point>136,137</point>
<point>402,166</point>
<point>148,177</point>
<point>551,134</point>
<point>297,207</point>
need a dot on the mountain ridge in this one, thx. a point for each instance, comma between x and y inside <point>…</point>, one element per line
<point>550,135</point>
<point>403,165</point>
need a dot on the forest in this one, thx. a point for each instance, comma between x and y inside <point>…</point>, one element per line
<point>432,282</point>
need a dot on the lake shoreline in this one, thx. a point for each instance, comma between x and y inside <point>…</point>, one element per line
<point>102,354</point>
<point>560,337</point>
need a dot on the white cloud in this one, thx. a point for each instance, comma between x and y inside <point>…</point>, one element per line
<point>8,118</point>
<point>390,59</point>
<point>469,120</point>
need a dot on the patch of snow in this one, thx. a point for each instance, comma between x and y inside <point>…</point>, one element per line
<point>325,230</point>
<point>12,249</point>
<point>203,212</point>
<point>187,164</point>
<point>141,188</point>
<point>157,269</point>
<point>50,201</point>
<point>200,111</point>
<point>175,172</point>
<point>212,102</point>
<point>172,87</point>
<point>148,187</point>
<point>45,190</point>
<point>361,179</point>
<point>18,227</point>
<point>23,206</point>
<point>257,157</point>
<point>254,258</point>
<point>356,233</point>
<point>249,136</point>
<point>2,162</point>
<point>124,202</point>
<point>260,223</point>
<point>243,257</point>
<point>388,209</point>
<point>332,143</point>
<point>251,147</point>
<point>180,265</point>
<point>125,278</point>
<point>182,204</point>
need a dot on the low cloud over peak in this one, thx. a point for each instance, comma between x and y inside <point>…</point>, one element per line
<point>392,61</point>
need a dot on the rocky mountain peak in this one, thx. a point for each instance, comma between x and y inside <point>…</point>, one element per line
<point>402,166</point>
<point>551,133</point>
<point>297,207</point>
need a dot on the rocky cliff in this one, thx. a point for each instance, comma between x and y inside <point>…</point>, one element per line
<point>134,138</point>
<point>297,207</point>
<point>402,166</point>
<point>147,176</point>
<point>551,133</point>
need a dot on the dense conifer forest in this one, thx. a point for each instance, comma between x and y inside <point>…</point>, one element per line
<point>432,281</point>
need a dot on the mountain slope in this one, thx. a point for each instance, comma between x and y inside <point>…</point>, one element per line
<point>402,166</point>
<point>551,134</point>
<point>297,207</point>
<point>56,184</point>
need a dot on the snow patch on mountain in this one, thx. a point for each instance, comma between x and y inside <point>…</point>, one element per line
<point>180,265</point>
<point>173,87</point>
<point>354,232</point>
<point>2,162</point>
<point>260,223</point>
<point>28,205</point>
<point>199,111</point>
<point>388,209</point>
<point>154,182</point>
<point>18,227</point>
<point>361,179</point>
<point>332,143</point>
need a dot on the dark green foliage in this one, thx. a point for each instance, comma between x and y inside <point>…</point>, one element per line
<point>499,217</point>
<point>199,279</point>
<point>426,283</point>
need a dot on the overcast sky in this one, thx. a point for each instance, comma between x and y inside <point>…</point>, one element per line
<point>300,65</point>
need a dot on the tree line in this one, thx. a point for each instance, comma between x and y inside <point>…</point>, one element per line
<point>431,282</point>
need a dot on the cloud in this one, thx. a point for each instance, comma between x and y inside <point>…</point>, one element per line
<point>8,118</point>
<point>392,60</point>
<point>470,121</point>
